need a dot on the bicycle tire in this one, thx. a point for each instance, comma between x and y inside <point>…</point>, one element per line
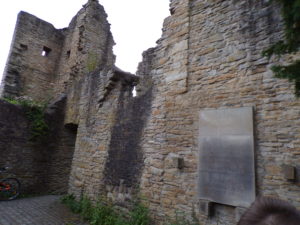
<point>12,191</point>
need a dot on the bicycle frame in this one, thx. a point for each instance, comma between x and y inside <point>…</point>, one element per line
<point>9,187</point>
<point>4,186</point>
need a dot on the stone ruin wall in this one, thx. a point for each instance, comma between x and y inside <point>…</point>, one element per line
<point>87,47</point>
<point>69,53</point>
<point>27,71</point>
<point>47,79</point>
<point>104,99</point>
<point>209,57</point>
<point>41,166</point>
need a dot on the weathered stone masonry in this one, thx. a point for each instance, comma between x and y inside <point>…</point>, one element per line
<point>42,166</point>
<point>45,63</point>
<point>217,46</point>
<point>27,71</point>
<point>209,57</point>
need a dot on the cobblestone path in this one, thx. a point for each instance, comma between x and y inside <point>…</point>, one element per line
<point>43,210</point>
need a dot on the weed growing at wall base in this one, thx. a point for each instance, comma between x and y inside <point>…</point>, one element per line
<point>106,214</point>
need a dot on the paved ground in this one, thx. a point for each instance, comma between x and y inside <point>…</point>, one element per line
<point>43,210</point>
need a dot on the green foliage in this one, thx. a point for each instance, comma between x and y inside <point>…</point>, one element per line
<point>139,215</point>
<point>291,17</point>
<point>71,202</point>
<point>12,101</point>
<point>35,114</point>
<point>39,127</point>
<point>105,214</point>
<point>86,208</point>
<point>291,72</point>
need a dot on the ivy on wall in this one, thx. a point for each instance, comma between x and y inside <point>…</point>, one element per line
<point>291,43</point>
<point>36,116</point>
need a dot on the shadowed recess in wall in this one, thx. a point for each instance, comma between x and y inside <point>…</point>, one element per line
<point>125,158</point>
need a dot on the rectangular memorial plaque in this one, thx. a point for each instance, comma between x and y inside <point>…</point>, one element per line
<point>226,156</point>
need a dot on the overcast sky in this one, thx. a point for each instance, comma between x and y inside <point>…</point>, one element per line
<point>135,24</point>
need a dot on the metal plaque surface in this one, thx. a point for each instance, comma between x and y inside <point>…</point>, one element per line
<point>226,156</point>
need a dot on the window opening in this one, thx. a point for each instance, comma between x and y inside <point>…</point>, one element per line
<point>46,51</point>
<point>134,92</point>
<point>68,54</point>
<point>23,47</point>
<point>72,127</point>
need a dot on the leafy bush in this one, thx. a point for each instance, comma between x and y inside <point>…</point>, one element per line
<point>71,202</point>
<point>139,215</point>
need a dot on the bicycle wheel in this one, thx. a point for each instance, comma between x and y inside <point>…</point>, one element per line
<point>9,189</point>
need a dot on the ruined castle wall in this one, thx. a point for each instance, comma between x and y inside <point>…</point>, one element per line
<point>90,151</point>
<point>88,46</point>
<point>90,43</point>
<point>110,121</point>
<point>42,166</point>
<point>34,54</point>
<point>209,57</point>
<point>14,146</point>
<point>44,61</point>
<point>61,73</point>
<point>60,147</point>
<point>167,189</point>
<point>101,93</point>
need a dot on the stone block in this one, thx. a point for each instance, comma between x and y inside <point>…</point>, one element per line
<point>178,47</point>
<point>239,211</point>
<point>175,76</point>
<point>289,172</point>
<point>178,162</point>
<point>206,208</point>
